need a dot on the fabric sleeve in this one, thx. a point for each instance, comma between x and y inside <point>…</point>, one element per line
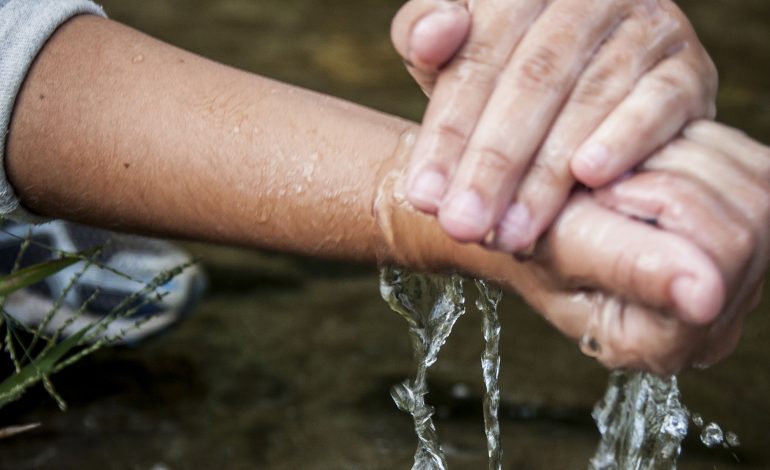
<point>25,26</point>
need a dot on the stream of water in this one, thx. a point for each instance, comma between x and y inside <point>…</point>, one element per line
<point>641,418</point>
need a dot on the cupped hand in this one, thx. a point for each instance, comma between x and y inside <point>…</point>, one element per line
<point>528,93</point>
<point>710,188</point>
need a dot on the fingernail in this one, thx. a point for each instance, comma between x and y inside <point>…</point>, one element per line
<point>514,229</point>
<point>427,28</point>
<point>593,157</point>
<point>699,300</point>
<point>466,208</point>
<point>427,189</point>
<point>689,297</point>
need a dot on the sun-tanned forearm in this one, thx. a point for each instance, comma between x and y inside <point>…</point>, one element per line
<point>114,128</point>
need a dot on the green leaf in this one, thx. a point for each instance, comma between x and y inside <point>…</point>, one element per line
<point>36,273</point>
<point>14,386</point>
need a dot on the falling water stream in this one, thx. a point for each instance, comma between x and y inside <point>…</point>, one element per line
<point>641,419</point>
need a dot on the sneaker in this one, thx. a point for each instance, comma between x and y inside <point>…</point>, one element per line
<point>112,289</point>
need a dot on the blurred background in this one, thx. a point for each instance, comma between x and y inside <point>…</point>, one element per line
<point>288,362</point>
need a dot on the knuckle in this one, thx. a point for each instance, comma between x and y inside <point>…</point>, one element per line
<point>495,161</point>
<point>540,70</point>
<point>481,56</point>
<point>665,83</point>
<point>450,132</point>
<point>598,88</point>
<point>549,173</point>
<point>744,240</point>
<point>624,269</point>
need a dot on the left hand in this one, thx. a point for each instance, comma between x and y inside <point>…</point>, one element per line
<point>712,187</point>
<point>529,85</point>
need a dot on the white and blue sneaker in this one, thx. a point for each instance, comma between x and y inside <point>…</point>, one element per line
<point>124,287</point>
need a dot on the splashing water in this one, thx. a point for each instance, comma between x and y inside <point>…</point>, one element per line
<point>642,423</point>
<point>431,305</point>
<point>641,419</point>
<point>487,302</point>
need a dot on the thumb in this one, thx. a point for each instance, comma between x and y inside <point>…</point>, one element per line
<point>599,248</point>
<point>427,34</point>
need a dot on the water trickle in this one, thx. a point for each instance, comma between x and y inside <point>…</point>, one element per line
<point>641,419</point>
<point>487,302</point>
<point>431,305</point>
<point>642,423</point>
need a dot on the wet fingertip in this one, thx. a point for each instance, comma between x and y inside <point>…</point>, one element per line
<point>589,165</point>
<point>698,299</point>
<point>436,38</point>
<point>465,216</point>
<point>514,231</point>
<point>427,190</point>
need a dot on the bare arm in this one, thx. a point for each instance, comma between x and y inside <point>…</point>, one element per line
<point>116,129</point>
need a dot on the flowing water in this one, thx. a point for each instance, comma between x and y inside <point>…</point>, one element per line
<point>431,304</point>
<point>641,419</point>
<point>642,423</point>
<point>288,362</point>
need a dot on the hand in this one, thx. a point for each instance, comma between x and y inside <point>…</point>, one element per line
<point>655,272</point>
<point>538,91</point>
<point>711,186</point>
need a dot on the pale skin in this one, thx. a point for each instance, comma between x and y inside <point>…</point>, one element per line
<point>534,95</point>
<point>116,129</point>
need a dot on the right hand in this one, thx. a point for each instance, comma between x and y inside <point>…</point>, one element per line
<point>520,87</point>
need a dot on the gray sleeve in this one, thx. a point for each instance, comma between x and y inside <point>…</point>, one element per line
<point>25,26</point>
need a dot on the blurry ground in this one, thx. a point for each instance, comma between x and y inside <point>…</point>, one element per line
<point>288,362</point>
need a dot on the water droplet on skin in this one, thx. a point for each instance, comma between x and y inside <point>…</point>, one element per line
<point>712,435</point>
<point>139,58</point>
<point>236,130</point>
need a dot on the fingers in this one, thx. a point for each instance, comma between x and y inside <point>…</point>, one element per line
<point>528,95</point>
<point>669,96</point>
<point>709,197</point>
<point>461,95</point>
<point>621,334</point>
<point>685,207</point>
<point>736,184</point>
<point>734,144</point>
<point>631,51</point>
<point>599,248</point>
<point>427,34</point>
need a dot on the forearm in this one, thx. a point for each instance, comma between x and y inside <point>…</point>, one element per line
<point>116,129</point>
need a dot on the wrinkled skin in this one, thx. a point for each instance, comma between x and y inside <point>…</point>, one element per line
<point>655,272</point>
<point>710,186</point>
<point>537,94</point>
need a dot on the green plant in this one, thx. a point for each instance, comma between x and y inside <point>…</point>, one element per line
<point>36,356</point>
